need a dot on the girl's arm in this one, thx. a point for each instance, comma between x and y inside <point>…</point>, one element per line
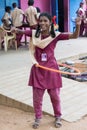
<point>32,51</point>
<point>76,33</point>
<point>20,31</point>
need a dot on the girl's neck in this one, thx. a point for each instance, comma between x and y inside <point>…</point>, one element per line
<point>45,32</point>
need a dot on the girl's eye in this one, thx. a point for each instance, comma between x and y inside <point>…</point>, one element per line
<point>40,20</point>
<point>43,20</point>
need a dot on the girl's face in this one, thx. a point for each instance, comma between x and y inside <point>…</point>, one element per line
<point>44,23</point>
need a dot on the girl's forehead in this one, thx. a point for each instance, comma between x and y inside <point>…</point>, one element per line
<point>44,17</point>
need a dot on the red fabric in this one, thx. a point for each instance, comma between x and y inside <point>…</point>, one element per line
<point>54,20</point>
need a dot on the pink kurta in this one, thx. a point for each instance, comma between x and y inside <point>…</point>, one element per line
<point>44,79</point>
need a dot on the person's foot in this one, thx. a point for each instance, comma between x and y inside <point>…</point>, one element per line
<point>36,123</point>
<point>58,122</point>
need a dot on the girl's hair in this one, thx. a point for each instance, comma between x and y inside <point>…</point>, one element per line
<point>30,2</point>
<point>38,30</point>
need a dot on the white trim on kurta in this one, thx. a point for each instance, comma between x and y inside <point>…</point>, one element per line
<point>39,43</point>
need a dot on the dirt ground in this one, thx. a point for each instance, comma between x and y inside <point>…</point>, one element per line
<point>15,119</point>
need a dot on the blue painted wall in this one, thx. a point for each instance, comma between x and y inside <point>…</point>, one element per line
<point>53,5</point>
<point>74,5</point>
<point>9,2</point>
<point>3,4</point>
<point>57,11</point>
<point>54,9</point>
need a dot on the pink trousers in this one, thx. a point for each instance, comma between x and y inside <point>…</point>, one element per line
<point>38,98</point>
<point>19,37</point>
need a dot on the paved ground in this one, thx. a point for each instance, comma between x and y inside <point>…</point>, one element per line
<point>14,71</point>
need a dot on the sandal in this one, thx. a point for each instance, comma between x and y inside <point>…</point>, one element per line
<point>36,123</point>
<point>58,123</point>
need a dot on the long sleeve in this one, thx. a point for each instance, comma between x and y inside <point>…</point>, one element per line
<point>32,51</point>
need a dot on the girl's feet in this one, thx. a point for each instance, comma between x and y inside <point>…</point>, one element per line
<point>36,123</point>
<point>58,122</point>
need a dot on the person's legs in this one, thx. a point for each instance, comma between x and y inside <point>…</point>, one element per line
<point>37,103</point>
<point>55,99</point>
<point>81,28</point>
<point>19,37</point>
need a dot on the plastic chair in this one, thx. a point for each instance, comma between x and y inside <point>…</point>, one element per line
<point>2,34</point>
<point>8,36</point>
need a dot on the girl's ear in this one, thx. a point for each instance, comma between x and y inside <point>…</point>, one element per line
<point>51,23</point>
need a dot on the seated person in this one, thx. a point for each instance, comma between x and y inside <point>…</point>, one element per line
<point>6,19</point>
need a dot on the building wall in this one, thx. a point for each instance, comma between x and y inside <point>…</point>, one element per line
<point>66,16</point>
<point>2,7</point>
<point>74,5</point>
<point>44,5</point>
<point>51,6</point>
<point>3,4</point>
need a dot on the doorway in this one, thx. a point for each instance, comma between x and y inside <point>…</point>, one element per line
<point>57,7</point>
<point>61,15</point>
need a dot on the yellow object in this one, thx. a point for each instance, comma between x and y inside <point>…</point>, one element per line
<point>56,26</point>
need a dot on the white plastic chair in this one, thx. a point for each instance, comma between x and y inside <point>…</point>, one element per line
<point>7,38</point>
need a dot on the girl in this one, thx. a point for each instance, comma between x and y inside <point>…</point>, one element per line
<point>42,45</point>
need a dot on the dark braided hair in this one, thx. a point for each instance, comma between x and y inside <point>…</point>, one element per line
<point>30,2</point>
<point>38,30</point>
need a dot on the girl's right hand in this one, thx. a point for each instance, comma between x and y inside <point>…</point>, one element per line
<point>16,30</point>
<point>13,30</point>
